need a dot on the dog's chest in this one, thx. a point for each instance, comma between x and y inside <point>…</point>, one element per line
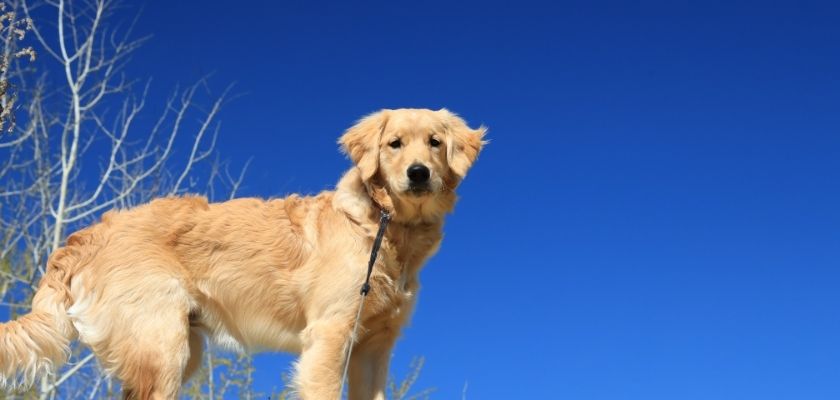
<point>406,251</point>
<point>393,300</point>
<point>398,285</point>
<point>405,287</point>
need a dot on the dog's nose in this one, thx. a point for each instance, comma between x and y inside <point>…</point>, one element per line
<point>418,173</point>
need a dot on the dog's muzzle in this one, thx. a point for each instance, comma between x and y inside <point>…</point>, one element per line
<point>418,179</point>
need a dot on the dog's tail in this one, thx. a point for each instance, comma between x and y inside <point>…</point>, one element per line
<point>37,343</point>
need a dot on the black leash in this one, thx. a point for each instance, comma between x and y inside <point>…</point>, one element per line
<point>383,223</point>
<point>377,242</point>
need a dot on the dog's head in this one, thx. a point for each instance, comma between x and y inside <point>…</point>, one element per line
<point>418,156</point>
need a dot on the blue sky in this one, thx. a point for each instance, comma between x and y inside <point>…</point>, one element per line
<point>657,215</point>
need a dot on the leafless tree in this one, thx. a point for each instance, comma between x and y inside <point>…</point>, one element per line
<point>12,29</point>
<point>78,149</point>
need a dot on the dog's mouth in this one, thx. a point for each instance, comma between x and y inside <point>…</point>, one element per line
<point>419,190</point>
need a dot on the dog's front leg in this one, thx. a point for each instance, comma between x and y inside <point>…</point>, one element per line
<point>369,367</point>
<point>319,369</point>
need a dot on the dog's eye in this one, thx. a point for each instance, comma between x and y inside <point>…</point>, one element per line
<point>395,144</point>
<point>434,142</point>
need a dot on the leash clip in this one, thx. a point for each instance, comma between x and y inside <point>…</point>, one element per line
<point>384,217</point>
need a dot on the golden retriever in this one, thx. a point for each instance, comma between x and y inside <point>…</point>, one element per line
<point>141,286</point>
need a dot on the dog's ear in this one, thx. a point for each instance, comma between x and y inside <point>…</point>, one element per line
<point>361,143</point>
<point>462,143</point>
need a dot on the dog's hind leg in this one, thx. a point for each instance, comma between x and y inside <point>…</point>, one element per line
<point>154,370</point>
<point>155,357</point>
<point>139,328</point>
<point>196,350</point>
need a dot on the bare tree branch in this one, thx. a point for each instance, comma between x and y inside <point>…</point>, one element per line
<point>47,182</point>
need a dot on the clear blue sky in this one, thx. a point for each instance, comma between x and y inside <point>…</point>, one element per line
<point>656,217</point>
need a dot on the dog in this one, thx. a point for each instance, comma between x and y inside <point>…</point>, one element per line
<point>142,286</point>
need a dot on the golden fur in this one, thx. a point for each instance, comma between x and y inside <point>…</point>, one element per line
<point>141,286</point>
